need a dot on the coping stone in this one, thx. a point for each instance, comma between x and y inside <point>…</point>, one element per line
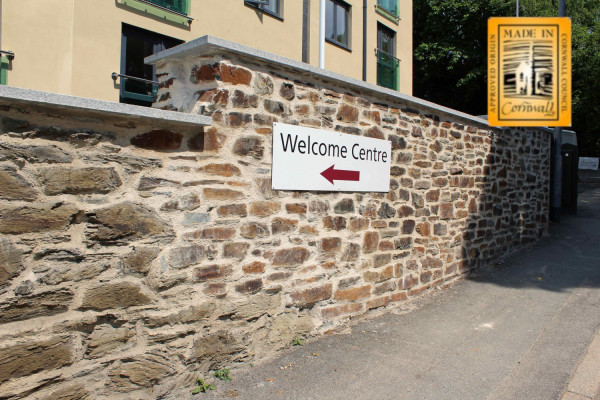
<point>19,95</point>
<point>208,45</point>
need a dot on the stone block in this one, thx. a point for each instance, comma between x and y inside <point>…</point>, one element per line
<point>283,225</point>
<point>88,180</point>
<point>256,267</point>
<point>214,271</point>
<point>307,298</point>
<point>35,154</point>
<point>226,170</point>
<point>114,295</point>
<point>264,208</point>
<point>250,286</point>
<point>36,305</point>
<point>140,372</point>
<point>221,194</point>
<point>287,91</point>
<point>358,224</point>
<point>331,245</point>
<point>370,242</point>
<point>253,230</point>
<point>235,250</point>
<point>334,223</point>
<point>353,294</point>
<point>291,257</point>
<point>296,208</point>
<point>106,339</point>
<point>187,202</point>
<point>238,210</point>
<point>39,218</point>
<point>21,360</point>
<point>347,113</point>
<point>344,206</point>
<point>10,261</point>
<point>139,260</point>
<point>333,312</point>
<point>182,257</point>
<point>150,183</point>
<point>263,84</point>
<point>158,140</point>
<point>14,187</point>
<point>216,234</point>
<point>352,252</point>
<point>217,346</point>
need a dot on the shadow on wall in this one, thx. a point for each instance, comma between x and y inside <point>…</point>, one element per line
<point>566,257</point>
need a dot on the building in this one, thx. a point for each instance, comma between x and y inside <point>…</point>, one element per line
<point>89,48</point>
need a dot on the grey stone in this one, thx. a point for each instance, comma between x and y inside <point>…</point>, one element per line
<point>36,305</point>
<point>114,295</point>
<point>78,180</point>
<point>14,187</point>
<point>34,154</point>
<point>10,261</point>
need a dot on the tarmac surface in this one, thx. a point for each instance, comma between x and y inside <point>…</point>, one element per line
<point>527,327</point>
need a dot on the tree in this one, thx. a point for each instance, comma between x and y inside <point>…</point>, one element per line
<point>451,56</point>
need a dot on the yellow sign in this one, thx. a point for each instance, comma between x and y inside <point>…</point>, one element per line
<point>529,71</point>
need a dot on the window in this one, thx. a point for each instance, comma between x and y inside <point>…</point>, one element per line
<point>336,23</point>
<point>387,64</point>
<point>389,6</point>
<point>272,7</point>
<point>136,44</point>
<point>180,6</point>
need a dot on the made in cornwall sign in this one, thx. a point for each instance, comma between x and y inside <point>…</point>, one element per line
<point>320,160</point>
<point>529,71</point>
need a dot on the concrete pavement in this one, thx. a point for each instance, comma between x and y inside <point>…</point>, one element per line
<point>525,328</point>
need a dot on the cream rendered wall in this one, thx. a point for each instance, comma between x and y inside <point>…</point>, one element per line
<point>40,34</point>
<point>73,46</point>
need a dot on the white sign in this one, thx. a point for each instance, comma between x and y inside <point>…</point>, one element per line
<point>588,163</point>
<point>321,160</point>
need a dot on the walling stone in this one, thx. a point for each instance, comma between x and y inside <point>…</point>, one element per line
<point>47,217</point>
<point>126,222</point>
<point>144,371</point>
<point>10,261</point>
<point>14,187</point>
<point>34,154</point>
<point>78,180</point>
<point>37,305</point>
<point>25,359</point>
<point>138,261</point>
<point>114,295</point>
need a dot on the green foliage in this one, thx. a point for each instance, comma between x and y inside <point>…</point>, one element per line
<point>202,386</point>
<point>223,374</point>
<point>450,56</point>
<point>297,342</point>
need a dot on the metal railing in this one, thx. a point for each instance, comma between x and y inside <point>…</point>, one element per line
<point>115,76</point>
<point>9,54</point>
<point>149,2</point>
<point>384,53</point>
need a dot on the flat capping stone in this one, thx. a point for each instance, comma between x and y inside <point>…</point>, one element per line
<point>11,95</point>
<point>210,45</point>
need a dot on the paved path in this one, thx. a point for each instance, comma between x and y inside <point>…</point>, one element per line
<point>521,329</point>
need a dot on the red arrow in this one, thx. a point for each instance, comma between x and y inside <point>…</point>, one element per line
<point>332,174</point>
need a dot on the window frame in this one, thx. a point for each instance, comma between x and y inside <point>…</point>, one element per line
<point>155,38</point>
<point>346,7</point>
<point>259,7</point>
<point>381,30</point>
<point>392,15</point>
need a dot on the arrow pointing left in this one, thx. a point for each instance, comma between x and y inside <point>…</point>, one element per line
<point>332,174</point>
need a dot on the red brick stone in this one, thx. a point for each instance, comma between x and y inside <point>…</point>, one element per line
<point>281,225</point>
<point>214,96</point>
<point>238,210</point>
<point>235,75</point>
<point>216,289</point>
<point>202,274</point>
<point>333,312</point>
<point>158,139</point>
<point>370,242</point>
<point>296,208</point>
<point>226,170</point>
<point>353,294</point>
<point>358,224</point>
<point>334,223</point>
<point>424,229</point>
<point>398,296</point>
<point>432,196</point>
<point>307,298</point>
<point>256,267</point>
<point>264,208</point>
<point>250,286</point>
<point>253,230</point>
<point>222,194</point>
<point>205,73</point>
<point>347,113</point>
<point>331,245</point>
<point>290,257</point>
<point>379,276</point>
<point>352,252</point>
<point>376,303</point>
<point>235,250</point>
<point>446,211</point>
<point>216,234</point>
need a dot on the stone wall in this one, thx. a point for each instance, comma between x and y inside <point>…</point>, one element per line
<point>136,255</point>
